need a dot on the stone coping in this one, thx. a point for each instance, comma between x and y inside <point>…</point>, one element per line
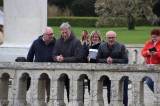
<point>80,66</point>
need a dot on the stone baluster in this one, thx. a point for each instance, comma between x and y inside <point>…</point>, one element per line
<point>41,91</point>
<point>20,91</point>
<point>115,94</point>
<point>76,95</point>
<point>157,93</point>
<point>52,89</point>
<point>137,93</point>
<point>4,83</point>
<point>58,93</point>
<point>97,99</point>
<point>34,90</point>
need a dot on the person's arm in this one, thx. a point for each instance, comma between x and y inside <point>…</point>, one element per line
<point>124,57</point>
<point>55,53</point>
<point>30,55</point>
<point>157,53</point>
<point>144,51</point>
<point>99,58</point>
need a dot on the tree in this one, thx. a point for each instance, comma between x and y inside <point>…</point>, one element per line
<point>1,2</point>
<point>77,7</point>
<point>60,3</point>
<point>156,8</point>
<point>82,7</point>
<point>130,9</point>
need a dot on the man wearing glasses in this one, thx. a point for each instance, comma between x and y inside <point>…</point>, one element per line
<point>113,52</point>
<point>42,48</point>
<point>41,51</point>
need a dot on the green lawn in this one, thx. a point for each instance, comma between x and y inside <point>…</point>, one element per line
<point>138,36</point>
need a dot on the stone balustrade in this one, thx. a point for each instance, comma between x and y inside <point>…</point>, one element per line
<point>27,84</point>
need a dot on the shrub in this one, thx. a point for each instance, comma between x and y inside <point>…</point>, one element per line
<point>143,22</point>
<point>96,21</point>
<point>112,22</point>
<point>73,21</point>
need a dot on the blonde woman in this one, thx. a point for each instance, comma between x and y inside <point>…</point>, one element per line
<point>95,41</point>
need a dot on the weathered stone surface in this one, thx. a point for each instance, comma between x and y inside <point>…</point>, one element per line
<point>16,73</point>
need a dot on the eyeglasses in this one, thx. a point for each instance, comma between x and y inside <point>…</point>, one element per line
<point>50,34</point>
<point>111,37</point>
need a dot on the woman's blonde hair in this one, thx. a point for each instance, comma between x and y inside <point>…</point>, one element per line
<point>95,32</point>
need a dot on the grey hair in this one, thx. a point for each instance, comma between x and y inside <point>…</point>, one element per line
<point>47,28</point>
<point>111,32</point>
<point>96,32</point>
<point>65,25</point>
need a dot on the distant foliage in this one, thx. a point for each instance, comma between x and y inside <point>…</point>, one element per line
<point>156,8</point>
<point>82,7</point>
<point>1,2</point>
<point>124,8</point>
<point>77,7</point>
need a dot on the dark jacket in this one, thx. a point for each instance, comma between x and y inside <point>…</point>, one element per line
<point>96,46</point>
<point>41,52</point>
<point>85,52</point>
<point>69,49</point>
<point>117,53</point>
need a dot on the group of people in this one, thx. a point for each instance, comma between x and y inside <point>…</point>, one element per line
<point>90,49</point>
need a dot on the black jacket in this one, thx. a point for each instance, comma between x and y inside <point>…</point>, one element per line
<point>117,53</point>
<point>41,52</point>
<point>69,49</point>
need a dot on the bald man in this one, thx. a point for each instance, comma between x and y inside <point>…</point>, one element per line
<point>113,52</point>
<point>42,48</point>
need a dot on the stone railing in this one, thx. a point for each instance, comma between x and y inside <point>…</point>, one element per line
<point>27,84</point>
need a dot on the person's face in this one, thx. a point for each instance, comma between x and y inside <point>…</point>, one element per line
<point>48,35</point>
<point>65,33</point>
<point>84,35</point>
<point>95,39</point>
<point>155,38</point>
<point>111,39</point>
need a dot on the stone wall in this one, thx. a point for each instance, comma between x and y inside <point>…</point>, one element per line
<point>15,89</point>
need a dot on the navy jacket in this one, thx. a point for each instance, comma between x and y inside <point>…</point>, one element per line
<point>40,52</point>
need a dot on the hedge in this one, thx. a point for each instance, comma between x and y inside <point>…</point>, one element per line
<point>96,21</point>
<point>73,21</point>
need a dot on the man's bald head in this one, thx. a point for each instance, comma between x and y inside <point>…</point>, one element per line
<point>111,38</point>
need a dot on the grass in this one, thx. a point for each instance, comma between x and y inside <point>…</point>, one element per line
<point>138,36</point>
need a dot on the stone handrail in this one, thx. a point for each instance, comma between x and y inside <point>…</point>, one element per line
<point>15,90</point>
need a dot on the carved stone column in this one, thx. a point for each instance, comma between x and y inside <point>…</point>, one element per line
<point>137,93</point>
<point>157,93</point>
<point>97,99</point>
<point>34,88</point>
<point>4,83</point>
<point>115,94</point>
<point>59,92</point>
<point>76,95</point>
